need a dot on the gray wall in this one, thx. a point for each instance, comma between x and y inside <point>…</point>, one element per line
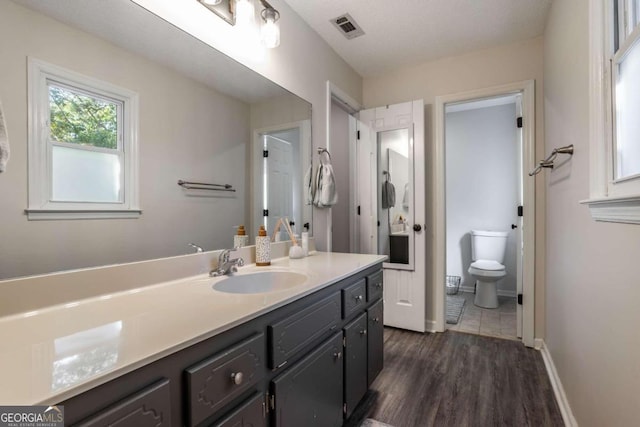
<point>187,131</point>
<point>593,285</point>
<point>340,161</point>
<point>482,185</point>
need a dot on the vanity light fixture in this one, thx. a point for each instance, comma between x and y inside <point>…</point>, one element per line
<point>242,13</point>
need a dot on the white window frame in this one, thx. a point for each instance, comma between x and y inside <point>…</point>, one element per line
<point>609,200</point>
<point>40,206</point>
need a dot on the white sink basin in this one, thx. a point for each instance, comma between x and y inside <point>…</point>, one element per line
<point>260,282</point>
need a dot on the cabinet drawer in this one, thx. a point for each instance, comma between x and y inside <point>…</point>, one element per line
<point>216,381</point>
<point>251,413</point>
<point>294,333</point>
<point>149,407</point>
<point>353,298</point>
<point>374,286</point>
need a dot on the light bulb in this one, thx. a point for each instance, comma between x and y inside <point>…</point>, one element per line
<point>245,13</point>
<point>270,30</point>
<point>212,2</point>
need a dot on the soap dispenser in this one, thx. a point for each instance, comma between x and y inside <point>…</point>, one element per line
<point>263,248</point>
<point>240,239</point>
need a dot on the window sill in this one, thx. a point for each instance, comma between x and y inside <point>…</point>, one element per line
<point>62,214</point>
<point>615,209</point>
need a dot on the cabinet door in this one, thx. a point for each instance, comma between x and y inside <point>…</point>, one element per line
<point>249,414</point>
<point>310,392</point>
<point>355,363</point>
<point>375,338</point>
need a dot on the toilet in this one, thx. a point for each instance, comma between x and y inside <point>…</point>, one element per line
<point>487,253</point>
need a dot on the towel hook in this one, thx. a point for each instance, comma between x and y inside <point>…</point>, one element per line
<point>324,150</point>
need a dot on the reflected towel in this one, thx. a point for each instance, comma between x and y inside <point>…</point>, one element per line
<point>325,189</point>
<point>388,195</point>
<point>309,186</point>
<point>405,198</point>
<point>4,142</point>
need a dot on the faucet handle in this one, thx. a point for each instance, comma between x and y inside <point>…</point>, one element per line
<point>240,262</point>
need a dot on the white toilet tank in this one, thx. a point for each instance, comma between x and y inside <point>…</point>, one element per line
<point>489,245</point>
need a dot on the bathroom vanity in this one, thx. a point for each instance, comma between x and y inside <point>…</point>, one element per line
<point>299,356</point>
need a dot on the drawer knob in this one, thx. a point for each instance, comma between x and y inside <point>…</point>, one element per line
<point>363,332</point>
<point>378,285</point>
<point>358,297</point>
<point>337,354</point>
<point>376,319</point>
<point>236,377</point>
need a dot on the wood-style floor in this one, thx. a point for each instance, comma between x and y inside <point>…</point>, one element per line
<point>459,379</point>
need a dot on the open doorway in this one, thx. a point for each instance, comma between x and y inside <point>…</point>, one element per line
<point>485,208</point>
<point>483,162</point>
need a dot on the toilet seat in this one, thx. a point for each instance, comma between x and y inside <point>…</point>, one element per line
<point>487,268</point>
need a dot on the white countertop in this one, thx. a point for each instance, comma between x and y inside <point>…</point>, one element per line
<point>52,354</point>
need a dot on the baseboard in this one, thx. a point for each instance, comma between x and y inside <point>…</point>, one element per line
<point>558,389</point>
<point>538,343</point>
<point>501,292</point>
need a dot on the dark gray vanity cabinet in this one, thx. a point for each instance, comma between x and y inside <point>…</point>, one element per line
<point>355,362</point>
<point>306,363</point>
<point>310,392</point>
<point>375,341</point>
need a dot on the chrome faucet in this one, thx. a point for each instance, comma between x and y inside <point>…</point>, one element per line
<point>196,247</point>
<point>226,265</point>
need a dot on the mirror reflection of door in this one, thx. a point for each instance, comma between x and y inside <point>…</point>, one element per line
<point>282,180</point>
<point>394,195</point>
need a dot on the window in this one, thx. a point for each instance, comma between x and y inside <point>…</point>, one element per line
<point>82,146</point>
<point>614,109</point>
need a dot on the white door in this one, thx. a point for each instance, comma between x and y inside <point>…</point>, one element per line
<point>394,226</point>
<point>279,188</point>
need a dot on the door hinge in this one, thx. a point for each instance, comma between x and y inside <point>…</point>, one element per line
<point>265,212</point>
<point>265,153</point>
<point>519,122</point>
<point>520,211</point>
<point>344,408</point>
<point>358,135</point>
<point>358,210</point>
<point>520,299</point>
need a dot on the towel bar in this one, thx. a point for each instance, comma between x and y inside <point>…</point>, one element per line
<point>205,186</point>
<point>548,162</point>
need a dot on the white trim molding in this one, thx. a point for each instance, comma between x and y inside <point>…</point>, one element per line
<point>615,209</point>
<point>501,292</point>
<point>558,389</point>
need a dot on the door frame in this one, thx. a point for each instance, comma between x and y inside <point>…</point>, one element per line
<point>527,89</point>
<point>351,106</point>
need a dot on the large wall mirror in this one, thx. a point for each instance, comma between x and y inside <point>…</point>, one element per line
<point>202,117</point>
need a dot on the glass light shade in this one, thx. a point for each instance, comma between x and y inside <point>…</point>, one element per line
<point>213,2</point>
<point>270,32</point>
<point>245,13</point>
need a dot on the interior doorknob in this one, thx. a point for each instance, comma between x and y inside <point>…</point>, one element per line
<point>417,227</point>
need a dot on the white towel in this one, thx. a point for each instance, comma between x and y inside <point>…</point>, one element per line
<point>4,143</point>
<point>309,186</point>
<point>325,188</point>
<point>405,198</point>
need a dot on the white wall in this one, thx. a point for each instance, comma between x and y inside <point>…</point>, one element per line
<point>340,160</point>
<point>485,68</point>
<point>482,185</point>
<point>301,64</point>
<point>592,276</point>
<point>187,131</point>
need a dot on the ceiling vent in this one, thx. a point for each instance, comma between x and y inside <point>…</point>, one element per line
<point>347,26</point>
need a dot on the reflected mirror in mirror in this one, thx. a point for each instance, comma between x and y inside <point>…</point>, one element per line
<point>202,117</point>
<point>395,200</point>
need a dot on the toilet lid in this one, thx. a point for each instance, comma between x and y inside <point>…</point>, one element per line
<point>484,264</point>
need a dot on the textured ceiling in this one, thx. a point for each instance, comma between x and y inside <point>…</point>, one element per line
<point>406,32</point>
